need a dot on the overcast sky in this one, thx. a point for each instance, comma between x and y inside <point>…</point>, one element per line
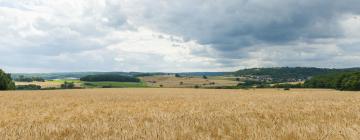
<point>177,35</point>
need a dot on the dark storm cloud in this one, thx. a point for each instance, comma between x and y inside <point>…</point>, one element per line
<point>233,24</point>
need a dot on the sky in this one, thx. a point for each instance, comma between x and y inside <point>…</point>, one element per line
<point>177,35</point>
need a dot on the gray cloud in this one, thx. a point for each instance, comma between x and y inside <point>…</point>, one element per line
<point>200,35</point>
<point>233,24</point>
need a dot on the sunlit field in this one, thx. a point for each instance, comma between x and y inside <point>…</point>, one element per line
<point>180,114</point>
<point>189,82</point>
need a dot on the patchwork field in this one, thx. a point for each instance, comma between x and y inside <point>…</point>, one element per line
<point>47,84</point>
<point>180,114</point>
<point>189,82</point>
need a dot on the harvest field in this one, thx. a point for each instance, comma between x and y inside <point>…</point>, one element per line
<point>47,84</point>
<point>180,114</point>
<point>114,84</point>
<point>187,82</point>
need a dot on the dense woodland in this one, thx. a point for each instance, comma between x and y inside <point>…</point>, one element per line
<point>109,77</point>
<point>338,80</point>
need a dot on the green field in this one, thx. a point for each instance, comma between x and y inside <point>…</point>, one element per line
<point>114,84</point>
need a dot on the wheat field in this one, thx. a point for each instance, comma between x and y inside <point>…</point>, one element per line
<point>180,114</point>
<point>187,82</point>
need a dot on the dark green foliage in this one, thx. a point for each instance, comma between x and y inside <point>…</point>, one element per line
<point>108,86</point>
<point>68,85</point>
<point>22,78</point>
<point>49,88</point>
<point>147,74</point>
<point>289,86</point>
<point>28,87</point>
<point>6,82</point>
<point>177,75</point>
<point>114,85</point>
<point>252,83</point>
<point>108,78</point>
<point>89,84</point>
<point>341,81</point>
<point>205,77</point>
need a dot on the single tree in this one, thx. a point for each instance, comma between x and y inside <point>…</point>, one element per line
<point>68,85</point>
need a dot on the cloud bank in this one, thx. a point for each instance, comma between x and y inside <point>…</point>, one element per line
<point>186,35</point>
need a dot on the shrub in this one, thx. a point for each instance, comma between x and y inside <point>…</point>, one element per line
<point>205,77</point>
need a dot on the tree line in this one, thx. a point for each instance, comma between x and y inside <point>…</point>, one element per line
<point>349,81</point>
<point>22,78</point>
<point>108,78</point>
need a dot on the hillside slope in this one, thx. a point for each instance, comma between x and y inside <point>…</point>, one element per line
<point>288,74</point>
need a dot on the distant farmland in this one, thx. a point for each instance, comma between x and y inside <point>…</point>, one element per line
<point>188,82</point>
<point>161,113</point>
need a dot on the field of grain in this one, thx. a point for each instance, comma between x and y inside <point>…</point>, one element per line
<point>182,82</point>
<point>51,84</point>
<point>180,114</point>
<point>47,84</point>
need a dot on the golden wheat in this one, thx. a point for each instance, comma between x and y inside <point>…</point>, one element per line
<point>47,84</point>
<point>181,82</point>
<point>180,114</point>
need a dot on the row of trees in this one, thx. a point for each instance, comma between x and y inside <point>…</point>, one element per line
<point>6,82</point>
<point>109,77</point>
<point>22,78</point>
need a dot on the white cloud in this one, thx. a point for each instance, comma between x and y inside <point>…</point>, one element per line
<point>196,35</point>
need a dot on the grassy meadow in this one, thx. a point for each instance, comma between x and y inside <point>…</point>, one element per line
<point>161,113</point>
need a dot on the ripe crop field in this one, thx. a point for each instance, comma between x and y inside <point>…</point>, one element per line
<point>180,114</point>
<point>189,82</point>
<point>47,84</point>
<point>116,84</point>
